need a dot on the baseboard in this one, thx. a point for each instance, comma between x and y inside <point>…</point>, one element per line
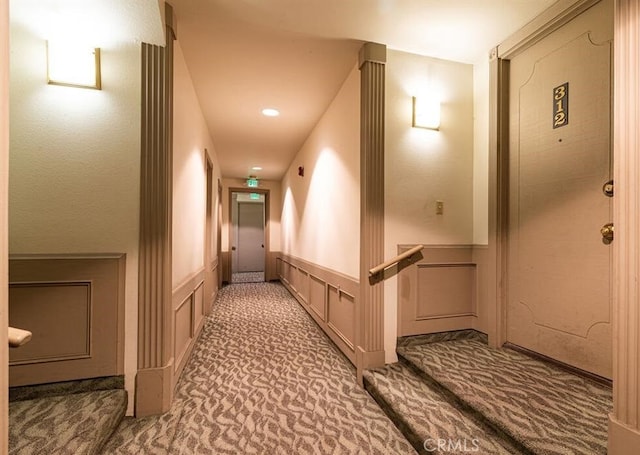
<point>623,440</point>
<point>154,390</point>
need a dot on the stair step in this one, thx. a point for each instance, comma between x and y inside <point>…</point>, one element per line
<point>427,419</point>
<point>542,407</point>
<point>77,424</point>
<point>153,434</point>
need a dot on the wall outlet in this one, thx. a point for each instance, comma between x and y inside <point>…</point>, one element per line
<point>439,207</point>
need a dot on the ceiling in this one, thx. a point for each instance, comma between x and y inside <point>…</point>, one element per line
<point>293,55</point>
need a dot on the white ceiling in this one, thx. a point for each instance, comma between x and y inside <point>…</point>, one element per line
<point>244,55</point>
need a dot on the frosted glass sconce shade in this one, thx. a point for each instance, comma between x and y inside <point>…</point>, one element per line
<point>73,65</point>
<point>426,113</point>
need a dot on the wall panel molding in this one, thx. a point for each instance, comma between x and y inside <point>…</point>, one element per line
<point>624,421</point>
<point>329,297</point>
<point>155,338</point>
<point>38,302</point>
<point>88,340</point>
<point>189,311</point>
<point>439,293</point>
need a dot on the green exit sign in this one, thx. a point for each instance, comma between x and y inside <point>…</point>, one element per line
<point>254,196</point>
<point>252,183</point>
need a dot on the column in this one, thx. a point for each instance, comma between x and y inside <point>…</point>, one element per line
<point>624,421</point>
<point>154,381</point>
<point>370,322</point>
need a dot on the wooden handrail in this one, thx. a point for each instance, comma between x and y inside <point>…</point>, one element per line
<point>391,262</point>
<point>18,337</point>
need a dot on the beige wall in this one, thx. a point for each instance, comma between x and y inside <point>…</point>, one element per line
<point>423,166</point>
<point>321,211</point>
<point>190,139</point>
<point>75,153</point>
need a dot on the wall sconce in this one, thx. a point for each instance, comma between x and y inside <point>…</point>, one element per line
<point>426,113</point>
<point>72,65</point>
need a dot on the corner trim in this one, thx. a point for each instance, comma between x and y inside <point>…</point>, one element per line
<point>623,440</point>
<point>154,390</point>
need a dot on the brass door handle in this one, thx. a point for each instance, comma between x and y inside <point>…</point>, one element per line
<point>607,233</point>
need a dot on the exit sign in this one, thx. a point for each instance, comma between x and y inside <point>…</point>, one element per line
<point>252,183</point>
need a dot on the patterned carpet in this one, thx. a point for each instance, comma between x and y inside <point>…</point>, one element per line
<point>78,423</point>
<point>247,277</point>
<point>426,417</point>
<point>545,408</point>
<point>264,379</point>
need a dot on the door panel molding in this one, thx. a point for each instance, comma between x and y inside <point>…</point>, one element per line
<point>557,15</point>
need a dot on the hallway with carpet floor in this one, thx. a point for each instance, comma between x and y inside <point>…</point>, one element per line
<point>263,379</point>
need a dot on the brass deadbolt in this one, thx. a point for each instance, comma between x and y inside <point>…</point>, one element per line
<point>607,233</point>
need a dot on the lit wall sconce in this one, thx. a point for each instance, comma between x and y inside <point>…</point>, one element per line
<point>72,65</point>
<point>426,113</point>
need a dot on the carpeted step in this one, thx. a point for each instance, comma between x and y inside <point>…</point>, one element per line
<point>545,408</point>
<point>427,419</point>
<point>153,434</point>
<point>75,424</point>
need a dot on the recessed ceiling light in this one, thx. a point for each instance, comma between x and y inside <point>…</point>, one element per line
<point>270,112</point>
<point>256,168</point>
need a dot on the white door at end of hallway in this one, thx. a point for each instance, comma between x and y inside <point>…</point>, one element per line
<point>250,242</point>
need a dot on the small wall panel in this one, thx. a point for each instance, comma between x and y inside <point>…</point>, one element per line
<point>74,306</point>
<point>439,293</point>
<point>183,329</point>
<point>198,302</point>
<point>445,291</point>
<point>342,315</point>
<point>189,311</point>
<point>68,304</point>
<point>318,297</point>
<point>303,285</point>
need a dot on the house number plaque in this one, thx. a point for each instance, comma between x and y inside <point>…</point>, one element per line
<point>561,105</point>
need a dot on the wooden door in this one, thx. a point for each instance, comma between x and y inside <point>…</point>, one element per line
<point>559,297</point>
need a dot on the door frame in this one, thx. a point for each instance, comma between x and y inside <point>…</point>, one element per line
<point>210,282</point>
<point>267,221</point>
<point>259,209</point>
<point>550,20</point>
<point>219,235</point>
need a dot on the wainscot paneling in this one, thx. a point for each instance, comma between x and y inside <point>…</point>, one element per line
<point>189,311</point>
<point>214,274</point>
<point>74,306</point>
<point>439,293</point>
<point>226,266</point>
<point>329,297</point>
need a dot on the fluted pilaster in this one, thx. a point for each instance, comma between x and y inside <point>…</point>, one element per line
<point>370,330</point>
<point>624,424</point>
<point>155,338</point>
